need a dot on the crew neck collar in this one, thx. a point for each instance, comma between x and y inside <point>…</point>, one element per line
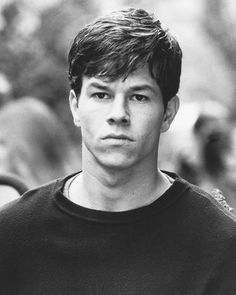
<point>93,215</point>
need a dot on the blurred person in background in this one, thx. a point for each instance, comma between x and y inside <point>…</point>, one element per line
<point>121,225</point>
<point>34,144</point>
<point>210,166</point>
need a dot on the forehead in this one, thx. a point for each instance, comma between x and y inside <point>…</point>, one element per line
<point>140,76</point>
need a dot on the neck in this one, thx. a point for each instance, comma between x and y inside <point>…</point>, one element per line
<point>118,189</point>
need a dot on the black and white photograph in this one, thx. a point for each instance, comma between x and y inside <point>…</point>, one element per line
<point>117,147</point>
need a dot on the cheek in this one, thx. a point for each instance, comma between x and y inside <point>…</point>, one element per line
<point>150,132</point>
<point>90,122</point>
<point>86,125</point>
<point>150,123</point>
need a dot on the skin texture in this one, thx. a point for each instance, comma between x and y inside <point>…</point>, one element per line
<point>106,111</point>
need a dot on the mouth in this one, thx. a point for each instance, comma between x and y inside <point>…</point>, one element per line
<point>118,137</point>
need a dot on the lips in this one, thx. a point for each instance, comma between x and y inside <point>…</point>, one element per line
<point>118,137</point>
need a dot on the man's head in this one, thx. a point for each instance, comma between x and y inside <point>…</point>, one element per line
<point>114,46</point>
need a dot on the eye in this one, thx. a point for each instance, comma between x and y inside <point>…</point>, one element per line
<point>139,98</point>
<point>100,95</point>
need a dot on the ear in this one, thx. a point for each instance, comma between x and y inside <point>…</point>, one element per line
<point>73,101</point>
<point>170,112</point>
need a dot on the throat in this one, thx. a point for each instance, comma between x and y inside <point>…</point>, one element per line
<point>87,191</point>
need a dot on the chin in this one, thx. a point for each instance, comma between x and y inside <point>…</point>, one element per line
<point>116,163</point>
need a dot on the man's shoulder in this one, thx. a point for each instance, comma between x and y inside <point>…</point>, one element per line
<point>213,201</point>
<point>30,203</point>
<point>210,211</point>
<point>207,222</point>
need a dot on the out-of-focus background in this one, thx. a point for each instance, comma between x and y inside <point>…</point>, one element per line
<point>38,141</point>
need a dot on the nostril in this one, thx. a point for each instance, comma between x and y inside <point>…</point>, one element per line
<point>123,121</point>
<point>111,120</point>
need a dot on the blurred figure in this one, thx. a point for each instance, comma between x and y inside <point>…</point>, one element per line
<point>210,166</point>
<point>33,143</point>
<point>214,140</point>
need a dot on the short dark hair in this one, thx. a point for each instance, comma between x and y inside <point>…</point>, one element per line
<point>115,45</point>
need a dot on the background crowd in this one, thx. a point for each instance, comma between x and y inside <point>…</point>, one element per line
<point>38,141</point>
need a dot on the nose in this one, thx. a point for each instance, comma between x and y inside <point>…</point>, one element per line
<point>118,112</point>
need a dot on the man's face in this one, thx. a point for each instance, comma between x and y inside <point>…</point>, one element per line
<point>120,120</point>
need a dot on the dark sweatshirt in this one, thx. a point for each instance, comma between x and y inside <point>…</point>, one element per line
<point>183,243</point>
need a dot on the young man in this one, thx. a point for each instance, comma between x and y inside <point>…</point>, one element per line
<point>121,226</point>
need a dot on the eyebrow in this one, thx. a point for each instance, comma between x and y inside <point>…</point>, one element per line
<point>142,87</point>
<point>98,85</point>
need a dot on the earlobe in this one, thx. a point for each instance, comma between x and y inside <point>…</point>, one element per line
<point>170,113</point>
<point>73,101</point>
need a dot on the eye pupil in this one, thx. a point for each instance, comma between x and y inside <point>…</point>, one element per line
<point>100,95</point>
<point>139,97</point>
